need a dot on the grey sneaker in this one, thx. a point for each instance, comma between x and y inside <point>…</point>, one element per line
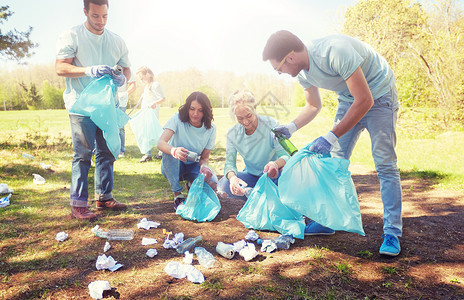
<point>145,158</point>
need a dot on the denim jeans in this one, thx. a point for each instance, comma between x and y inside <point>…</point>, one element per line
<point>380,122</point>
<point>86,136</point>
<point>122,134</point>
<point>175,171</point>
<point>224,184</point>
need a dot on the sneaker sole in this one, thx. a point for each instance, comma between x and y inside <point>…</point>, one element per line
<point>389,253</point>
<point>320,233</point>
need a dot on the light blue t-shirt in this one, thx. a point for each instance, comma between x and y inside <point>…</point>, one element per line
<point>334,58</point>
<point>256,149</point>
<point>89,49</point>
<point>190,137</point>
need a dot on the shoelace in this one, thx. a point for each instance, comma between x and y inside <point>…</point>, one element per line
<point>390,240</point>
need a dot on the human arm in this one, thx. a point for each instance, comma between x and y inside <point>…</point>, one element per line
<point>64,67</point>
<point>157,103</point>
<point>179,153</point>
<point>204,169</point>
<point>272,168</point>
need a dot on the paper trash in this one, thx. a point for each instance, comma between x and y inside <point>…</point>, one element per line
<point>178,270</point>
<point>61,236</point>
<point>5,201</point>
<point>4,189</point>
<point>145,224</point>
<point>38,179</point>
<point>148,241</point>
<point>251,236</point>
<point>249,252</point>
<point>106,247</point>
<point>96,288</point>
<point>151,253</point>
<point>107,262</point>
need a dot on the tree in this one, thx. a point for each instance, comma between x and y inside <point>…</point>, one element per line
<point>15,44</point>
<point>52,96</point>
<point>31,96</point>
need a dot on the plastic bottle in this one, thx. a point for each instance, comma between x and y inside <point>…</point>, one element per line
<point>225,250</point>
<point>284,241</point>
<point>25,155</point>
<point>192,156</point>
<point>116,234</point>
<point>117,70</point>
<point>248,191</point>
<point>285,143</point>
<point>205,258</point>
<point>187,244</point>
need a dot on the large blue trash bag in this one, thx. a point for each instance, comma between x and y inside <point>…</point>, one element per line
<point>320,187</point>
<point>202,203</point>
<point>97,102</point>
<point>146,128</point>
<point>264,211</point>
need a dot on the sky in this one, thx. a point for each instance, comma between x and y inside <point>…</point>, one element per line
<point>174,35</point>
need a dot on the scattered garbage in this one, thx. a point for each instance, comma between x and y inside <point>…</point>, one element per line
<point>239,245</point>
<point>166,232</point>
<point>38,179</point>
<point>187,244</point>
<point>251,236</point>
<point>5,201</point>
<point>268,246</point>
<point>107,262</point>
<point>61,236</point>
<point>188,258</point>
<point>226,250</point>
<point>4,189</point>
<point>46,167</point>
<point>106,247</point>
<point>248,252</point>
<point>145,224</point>
<point>151,253</point>
<point>148,241</point>
<point>114,234</point>
<point>25,155</point>
<point>284,241</point>
<point>205,258</point>
<point>96,288</point>
<point>179,270</point>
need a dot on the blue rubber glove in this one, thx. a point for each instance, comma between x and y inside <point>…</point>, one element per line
<point>118,79</point>
<point>323,144</point>
<point>98,71</point>
<point>286,130</point>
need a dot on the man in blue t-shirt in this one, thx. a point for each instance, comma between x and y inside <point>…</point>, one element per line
<point>86,52</point>
<point>368,99</point>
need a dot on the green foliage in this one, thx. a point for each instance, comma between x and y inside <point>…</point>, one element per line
<point>31,96</point>
<point>213,96</point>
<point>298,99</point>
<point>14,44</point>
<point>52,96</point>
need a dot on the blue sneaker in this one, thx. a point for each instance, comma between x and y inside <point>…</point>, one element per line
<point>390,245</point>
<point>314,228</point>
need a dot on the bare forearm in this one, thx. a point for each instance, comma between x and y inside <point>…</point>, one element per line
<point>66,69</point>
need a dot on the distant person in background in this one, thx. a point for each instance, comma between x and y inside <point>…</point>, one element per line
<point>253,139</point>
<point>123,98</point>
<point>86,52</point>
<point>152,97</point>
<point>191,129</point>
<point>367,99</point>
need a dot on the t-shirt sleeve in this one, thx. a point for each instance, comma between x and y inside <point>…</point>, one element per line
<point>66,45</point>
<point>303,82</point>
<point>172,123</point>
<point>344,59</point>
<point>157,91</point>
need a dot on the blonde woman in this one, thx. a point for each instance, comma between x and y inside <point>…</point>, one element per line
<point>253,140</point>
<point>152,97</point>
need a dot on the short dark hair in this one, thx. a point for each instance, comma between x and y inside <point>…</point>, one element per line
<point>280,44</point>
<point>205,105</point>
<point>96,2</point>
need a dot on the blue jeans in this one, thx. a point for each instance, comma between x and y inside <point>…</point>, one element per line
<point>122,134</point>
<point>175,171</point>
<point>224,184</point>
<point>86,136</point>
<point>380,122</point>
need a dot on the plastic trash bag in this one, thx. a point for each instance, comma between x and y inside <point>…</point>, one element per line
<point>265,211</point>
<point>321,188</point>
<point>202,203</point>
<point>146,128</point>
<point>97,102</point>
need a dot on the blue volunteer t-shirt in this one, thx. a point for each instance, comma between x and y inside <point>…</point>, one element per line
<point>190,137</point>
<point>333,59</point>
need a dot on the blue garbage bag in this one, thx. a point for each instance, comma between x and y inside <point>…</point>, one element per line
<point>97,102</point>
<point>264,211</point>
<point>320,187</point>
<point>202,203</point>
<point>146,128</point>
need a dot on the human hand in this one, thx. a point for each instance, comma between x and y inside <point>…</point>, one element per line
<point>271,169</point>
<point>236,186</point>
<point>179,153</point>
<point>98,71</point>
<point>204,169</point>
<point>323,144</point>
<point>286,130</point>
<point>118,79</point>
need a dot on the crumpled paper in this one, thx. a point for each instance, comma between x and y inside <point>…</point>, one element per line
<point>178,238</point>
<point>251,236</point>
<point>268,246</point>
<point>45,166</point>
<point>145,224</point>
<point>96,288</point>
<point>106,247</point>
<point>248,252</point>
<point>179,270</point>
<point>4,189</point>
<point>61,236</point>
<point>188,258</point>
<point>38,179</point>
<point>148,241</point>
<point>151,253</point>
<point>239,245</point>
<point>107,262</point>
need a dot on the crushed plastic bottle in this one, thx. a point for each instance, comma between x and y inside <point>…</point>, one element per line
<point>225,250</point>
<point>116,234</point>
<point>205,258</point>
<point>187,244</point>
<point>284,241</point>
